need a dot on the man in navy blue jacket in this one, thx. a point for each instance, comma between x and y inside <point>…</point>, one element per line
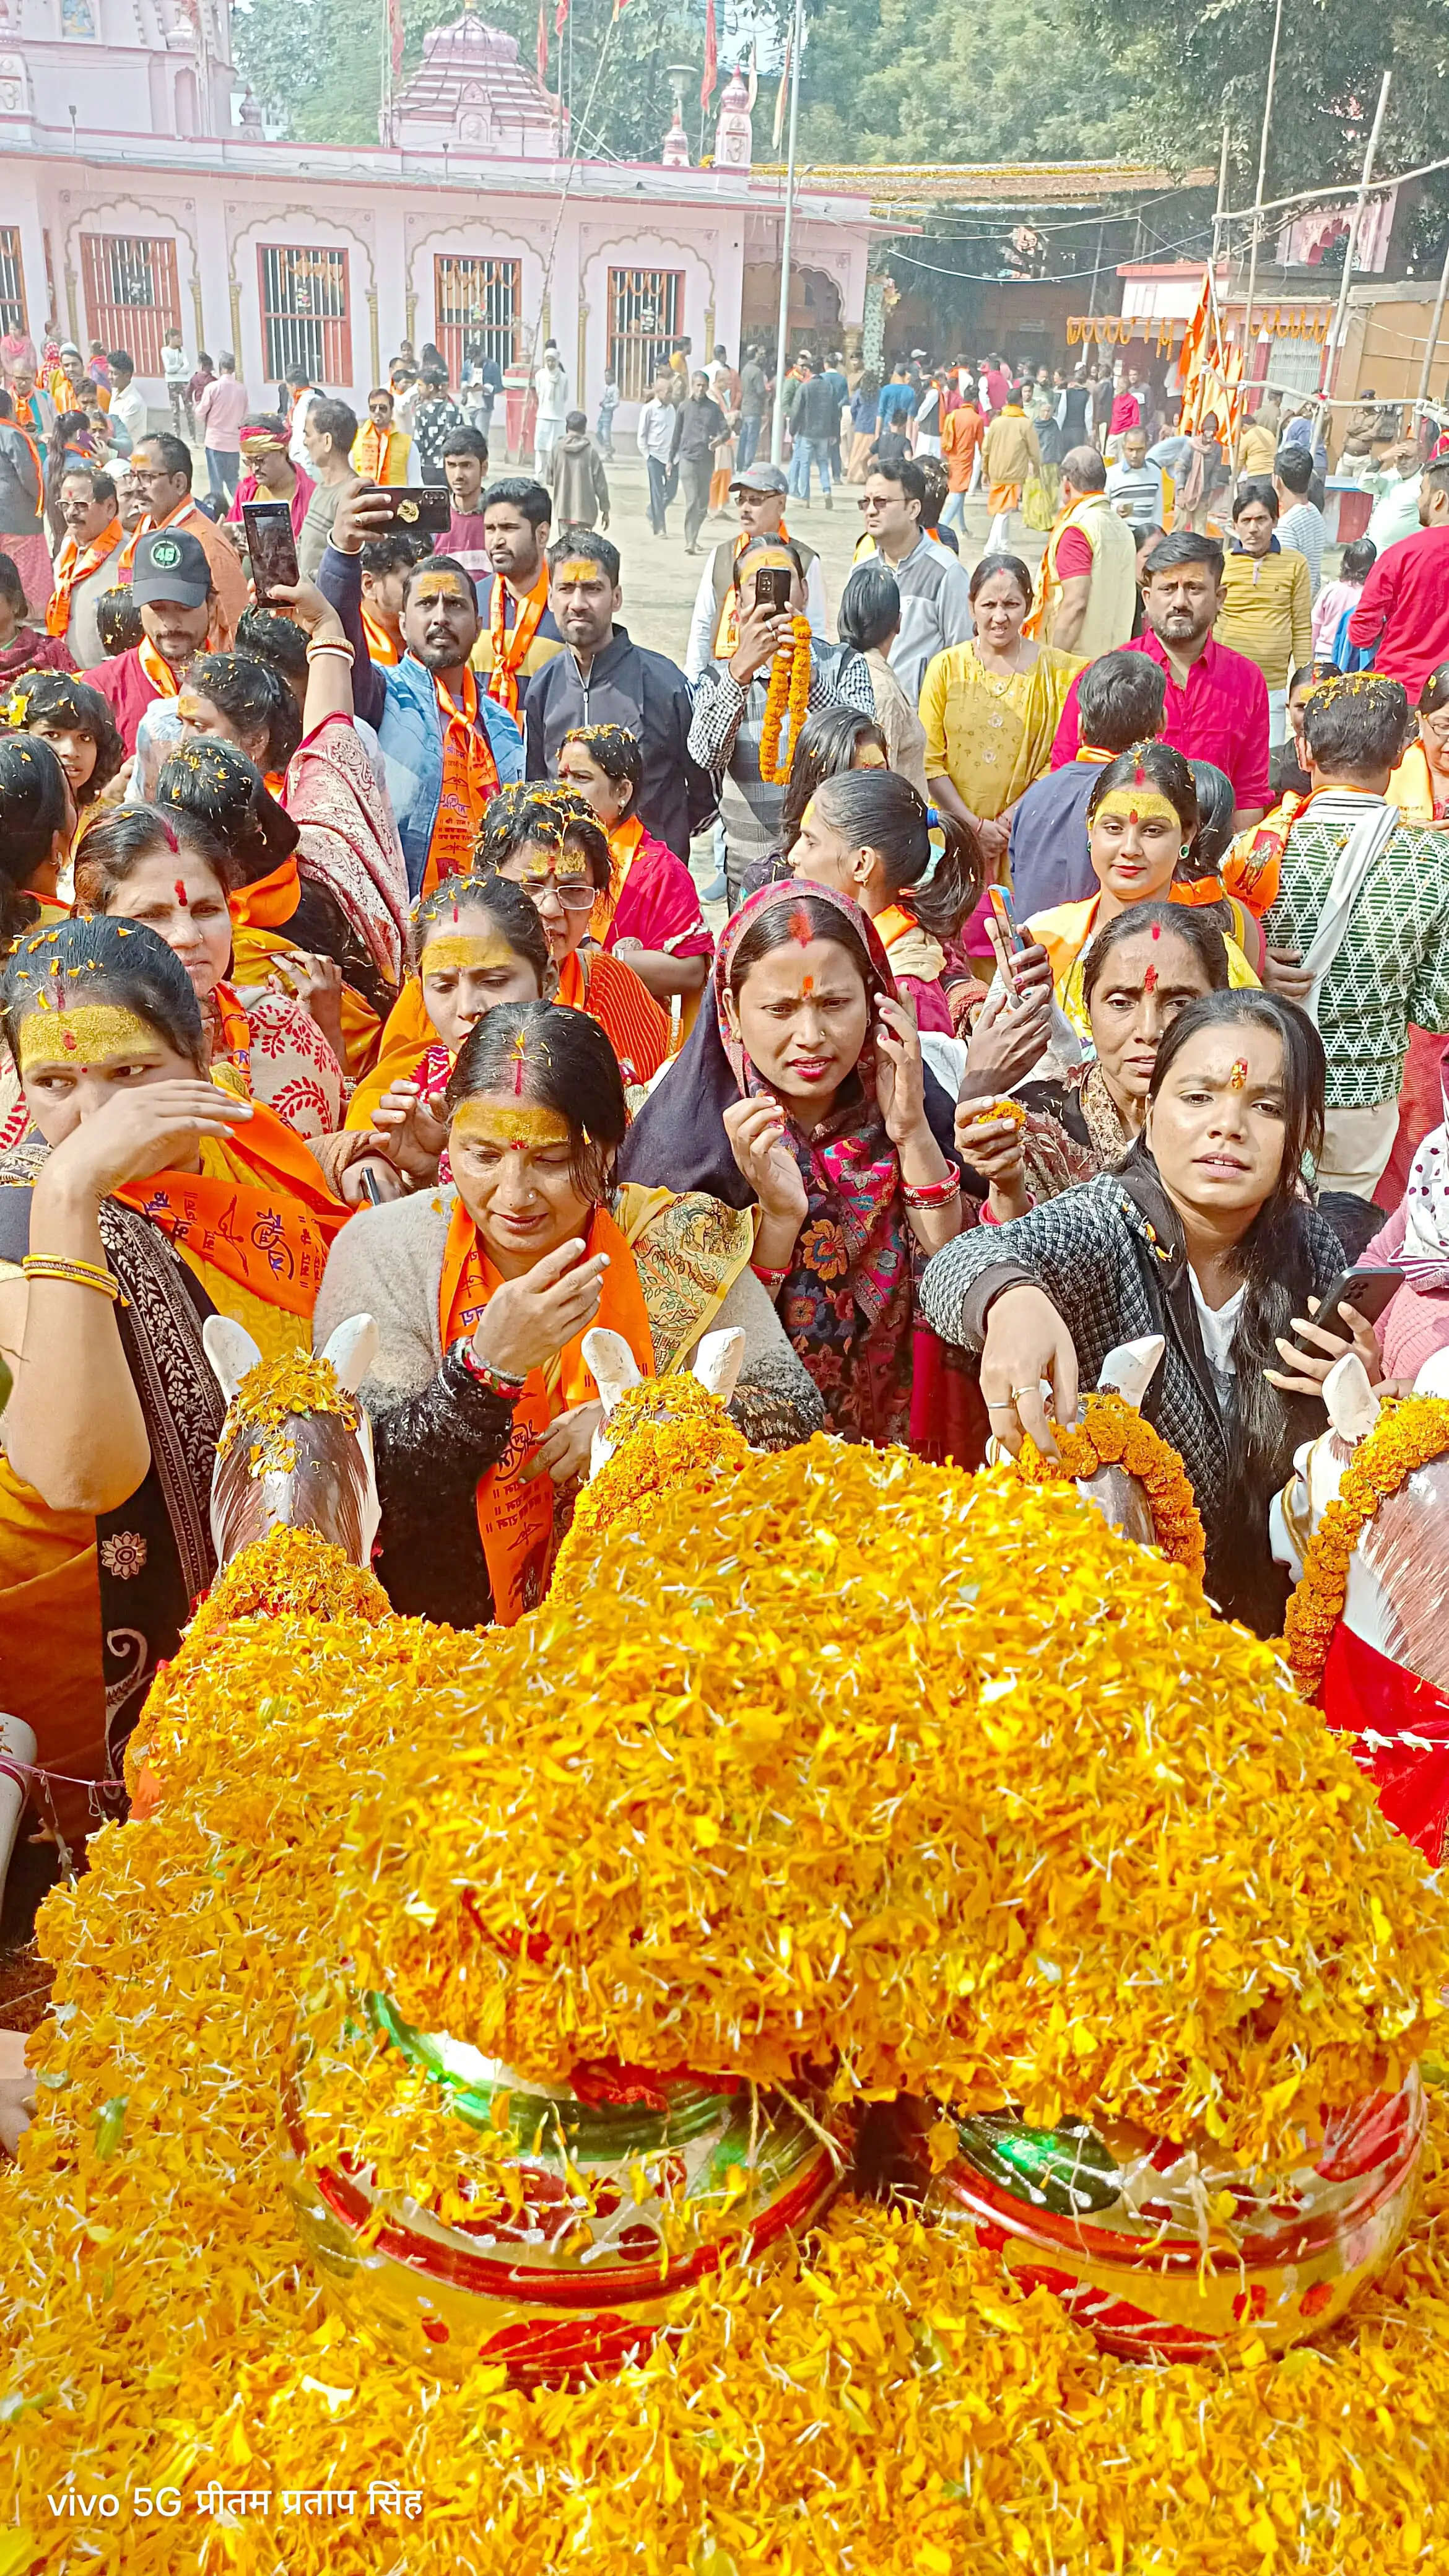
<point>426,707</point>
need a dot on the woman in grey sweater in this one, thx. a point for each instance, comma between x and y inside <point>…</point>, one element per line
<point>481,1402</point>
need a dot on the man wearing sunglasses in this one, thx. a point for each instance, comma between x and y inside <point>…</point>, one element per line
<point>935,588</point>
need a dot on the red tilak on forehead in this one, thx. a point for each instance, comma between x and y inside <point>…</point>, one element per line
<point>1140,777</point>
<point>179,890</point>
<point>800,930</point>
<point>1157,930</point>
<point>1149,980</point>
<point>518,1053</point>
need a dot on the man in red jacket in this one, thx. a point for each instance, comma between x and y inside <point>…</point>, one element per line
<point>1404,610</point>
<point>171,586</point>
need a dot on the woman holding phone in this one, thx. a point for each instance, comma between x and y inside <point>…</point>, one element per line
<point>1202,1236</point>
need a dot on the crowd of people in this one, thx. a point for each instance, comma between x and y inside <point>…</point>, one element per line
<point>1084,969</point>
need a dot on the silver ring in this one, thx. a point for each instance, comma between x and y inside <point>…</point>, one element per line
<point>1024,1390</point>
<point>1003,1404</point>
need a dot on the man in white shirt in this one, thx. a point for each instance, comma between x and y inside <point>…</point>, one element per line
<point>1299,524</point>
<point>551,391</point>
<point>935,587</point>
<point>128,403</point>
<point>1134,486</point>
<point>656,438</point>
<point>178,376</point>
<point>301,394</point>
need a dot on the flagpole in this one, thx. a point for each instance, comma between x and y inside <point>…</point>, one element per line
<point>1253,253</point>
<point>777,426</point>
<point>1340,320</point>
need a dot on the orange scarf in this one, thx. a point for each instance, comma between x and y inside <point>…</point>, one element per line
<point>509,650</point>
<point>892,924</point>
<point>73,565</point>
<point>380,645</point>
<point>470,782</point>
<point>515,1521</point>
<point>270,903</point>
<point>376,444</point>
<point>624,843</point>
<point>271,1238</point>
<point>160,674</point>
<point>176,518</point>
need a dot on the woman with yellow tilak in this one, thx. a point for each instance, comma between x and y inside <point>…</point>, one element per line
<point>482,1402</point>
<point>144,1200</point>
<point>1142,826</point>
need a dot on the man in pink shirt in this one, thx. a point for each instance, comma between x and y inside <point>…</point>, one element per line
<point>220,411</point>
<point>1217,700</point>
<point>1404,611</point>
<point>1126,414</point>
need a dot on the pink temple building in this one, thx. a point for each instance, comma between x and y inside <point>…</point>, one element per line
<point>138,190</point>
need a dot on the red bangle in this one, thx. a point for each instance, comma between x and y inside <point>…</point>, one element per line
<point>769,1278</point>
<point>497,1381</point>
<point>933,1194</point>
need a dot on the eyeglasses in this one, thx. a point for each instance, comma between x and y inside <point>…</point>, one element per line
<point>872,501</point>
<point>576,894</point>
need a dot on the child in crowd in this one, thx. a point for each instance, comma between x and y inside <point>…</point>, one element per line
<point>1337,600</point>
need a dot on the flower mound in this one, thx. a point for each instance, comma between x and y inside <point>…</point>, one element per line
<point>670,1435</point>
<point>919,1775</point>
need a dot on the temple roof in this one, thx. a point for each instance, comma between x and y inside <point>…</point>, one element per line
<point>470,89</point>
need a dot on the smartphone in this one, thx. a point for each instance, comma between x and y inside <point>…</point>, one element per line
<point>369,1188</point>
<point>772,588</point>
<point>1013,939</point>
<point>423,509</point>
<point>1367,1288</point>
<point>271,546</point>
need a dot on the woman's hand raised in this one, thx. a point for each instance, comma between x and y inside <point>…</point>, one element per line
<point>756,1130</point>
<point>1026,1341</point>
<point>528,1319</point>
<point>1010,1036</point>
<point>150,1127</point>
<point>900,1080</point>
<point>1307,1368</point>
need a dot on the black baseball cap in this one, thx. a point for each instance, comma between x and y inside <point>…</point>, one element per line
<point>171,565</point>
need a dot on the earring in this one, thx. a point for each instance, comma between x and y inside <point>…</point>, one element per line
<point>1182,853</point>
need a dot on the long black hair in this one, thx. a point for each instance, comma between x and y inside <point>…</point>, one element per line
<point>553,1059</point>
<point>32,811</point>
<point>825,747</point>
<point>1275,1256</point>
<point>220,788</point>
<point>878,809</point>
<point>97,960</point>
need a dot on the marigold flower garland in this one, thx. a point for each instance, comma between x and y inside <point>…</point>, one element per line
<point>1112,1433</point>
<point>670,1433</point>
<point>789,686</point>
<point>1406,1437</point>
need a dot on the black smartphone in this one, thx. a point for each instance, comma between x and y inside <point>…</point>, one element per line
<point>423,509</point>
<point>271,546</point>
<point>772,588</point>
<point>1368,1288</point>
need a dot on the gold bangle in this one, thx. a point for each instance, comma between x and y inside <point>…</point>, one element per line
<point>76,1274</point>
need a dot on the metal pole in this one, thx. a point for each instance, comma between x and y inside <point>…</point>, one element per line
<point>777,426</point>
<point>1335,349</point>
<point>1257,221</point>
<point>1434,327</point>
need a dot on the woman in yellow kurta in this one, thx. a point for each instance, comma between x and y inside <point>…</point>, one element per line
<point>144,1201</point>
<point>1142,823</point>
<point>991,709</point>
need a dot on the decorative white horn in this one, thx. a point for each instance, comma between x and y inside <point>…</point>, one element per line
<point>1349,1400</point>
<point>230,1349</point>
<point>352,1348</point>
<point>613,1365</point>
<point>718,1361</point>
<point>1129,1370</point>
<point>1433,1377</point>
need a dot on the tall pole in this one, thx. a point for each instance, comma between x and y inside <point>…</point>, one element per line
<point>777,426</point>
<point>1335,353</point>
<point>1221,207</point>
<point>1434,327</point>
<point>1257,225</point>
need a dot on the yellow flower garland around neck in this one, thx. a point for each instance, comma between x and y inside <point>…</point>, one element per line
<point>789,687</point>
<point>1112,1433</point>
<point>1405,1437</point>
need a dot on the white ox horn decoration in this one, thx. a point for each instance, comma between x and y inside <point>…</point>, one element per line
<point>352,1348</point>
<point>611,1364</point>
<point>718,1361</point>
<point>230,1349</point>
<point>1433,1377</point>
<point>1349,1400</point>
<point>1129,1370</point>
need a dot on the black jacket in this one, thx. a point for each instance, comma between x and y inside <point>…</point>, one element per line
<point>817,410</point>
<point>1111,1257</point>
<point>699,428</point>
<point>626,685</point>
